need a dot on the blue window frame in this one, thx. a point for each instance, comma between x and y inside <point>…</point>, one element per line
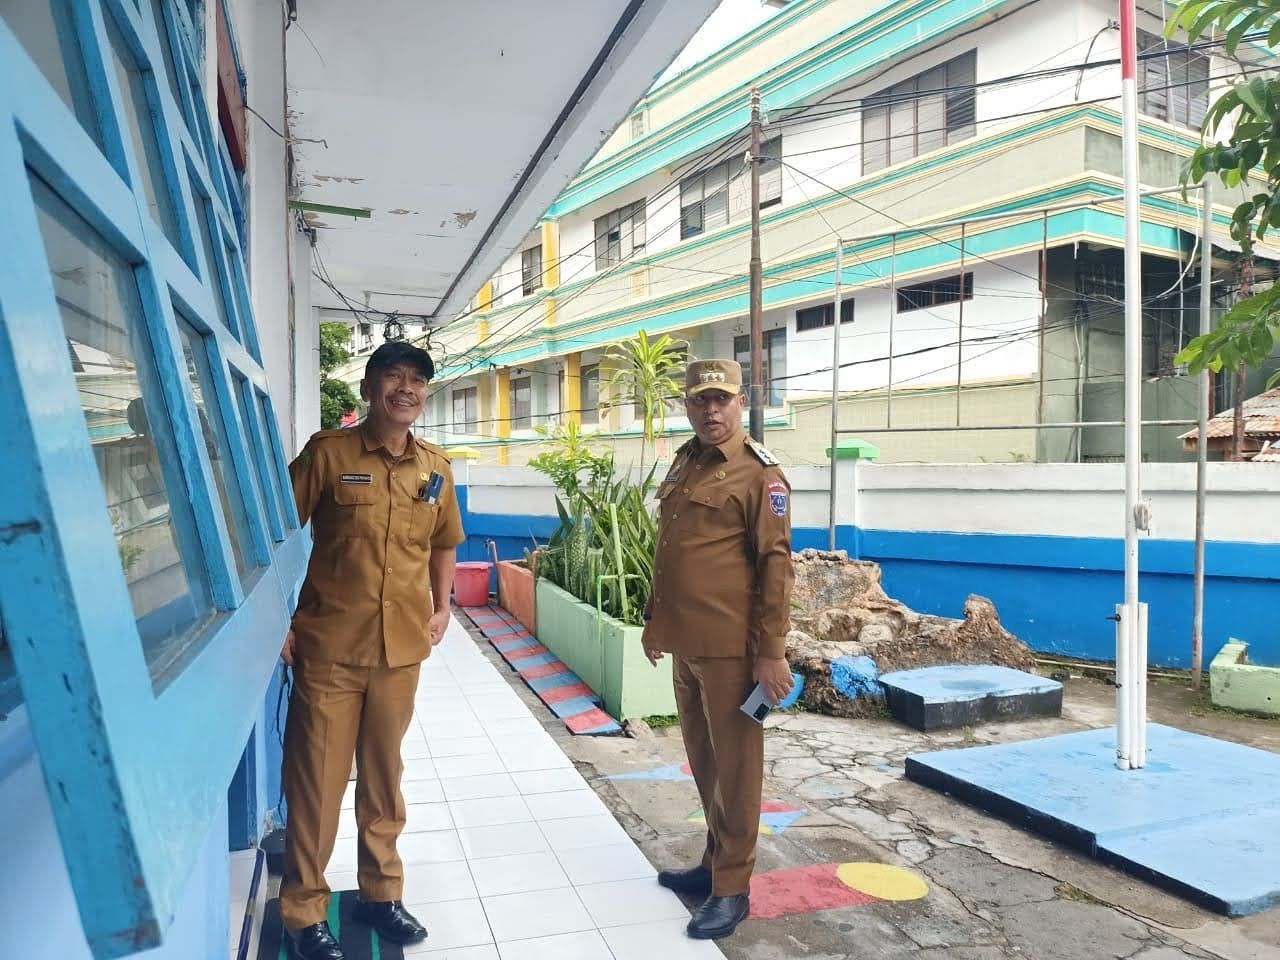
<point>150,537</point>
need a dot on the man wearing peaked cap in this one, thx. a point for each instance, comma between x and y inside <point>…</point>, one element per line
<point>720,604</point>
<point>386,525</point>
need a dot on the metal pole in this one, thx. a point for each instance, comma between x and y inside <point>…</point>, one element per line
<point>893,314</point>
<point>1128,710</point>
<point>1044,309</point>
<point>835,395</point>
<point>960,337</point>
<point>1202,435</point>
<point>757,293</point>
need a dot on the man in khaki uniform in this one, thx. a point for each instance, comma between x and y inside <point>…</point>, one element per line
<point>386,525</point>
<point>721,605</point>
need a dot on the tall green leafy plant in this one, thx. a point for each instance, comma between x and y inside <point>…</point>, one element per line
<point>1250,156</point>
<point>571,459</point>
<point>609,533</point>
<point>651,371</point>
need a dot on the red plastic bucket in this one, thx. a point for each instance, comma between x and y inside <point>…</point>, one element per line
<point>471,584</point>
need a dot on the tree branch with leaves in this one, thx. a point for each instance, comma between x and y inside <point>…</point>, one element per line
<point>336,397</point>
<point>1250,157</point>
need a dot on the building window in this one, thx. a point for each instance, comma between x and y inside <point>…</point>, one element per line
<point>931,110</point>
<point>213,429</point>
<point>638,125</point>
<point>774,354</point>
<point>620,234</point>
<point>522,403</point>
<point>589,394</point>
<point>126,424</point>
<point>935,293</point>
<point>466,410</point>
<point>718,196</point>
<point>1173,87</point>
<point>815,318</point>
<point>531,270</point>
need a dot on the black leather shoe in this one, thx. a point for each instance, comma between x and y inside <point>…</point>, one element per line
<point>392,921</point>
<point>719,917</point>
<point>315,942</point>
<point>696,880</point>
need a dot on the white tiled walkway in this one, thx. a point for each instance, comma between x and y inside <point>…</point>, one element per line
<point>509,854</point>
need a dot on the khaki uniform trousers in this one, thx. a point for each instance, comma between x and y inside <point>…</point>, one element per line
<point>337,711</point>
<point>725,748</point>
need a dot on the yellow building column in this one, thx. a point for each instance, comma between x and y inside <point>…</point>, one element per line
<point>551,254</point>
<point>487,412</point>
<point>573,389</point>
<point>503,397</point>
<point>484,301</point>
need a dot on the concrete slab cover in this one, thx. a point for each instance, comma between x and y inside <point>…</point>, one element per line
<point>952,695</point>
<point>1202,819</point>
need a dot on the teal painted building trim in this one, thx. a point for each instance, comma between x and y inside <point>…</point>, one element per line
<point>873,41</point>
<point>867,263</point>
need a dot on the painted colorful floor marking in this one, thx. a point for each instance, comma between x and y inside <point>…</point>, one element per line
<point>555,684</point>
<point>775,816</point>
<point>672,771</point>
<point>827,886</point>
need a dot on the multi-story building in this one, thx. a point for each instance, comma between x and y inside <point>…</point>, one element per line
<point>967,153</point>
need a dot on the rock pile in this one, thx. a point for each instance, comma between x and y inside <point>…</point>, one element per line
<point>839,609</point>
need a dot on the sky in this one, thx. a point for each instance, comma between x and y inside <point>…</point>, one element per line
<point>727,22</point>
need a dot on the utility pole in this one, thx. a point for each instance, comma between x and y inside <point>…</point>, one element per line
<point>835,393</point>
<point>757,283</point>
<point>1237,419</point>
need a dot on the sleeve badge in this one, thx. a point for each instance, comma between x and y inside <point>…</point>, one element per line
<point>778,498</point>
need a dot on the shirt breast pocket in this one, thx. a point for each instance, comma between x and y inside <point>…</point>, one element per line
<point>422,523</point>
<point>355,505</point>
<point>710,512</point>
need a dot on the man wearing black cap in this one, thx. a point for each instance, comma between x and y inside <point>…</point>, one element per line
<point>386,526</point>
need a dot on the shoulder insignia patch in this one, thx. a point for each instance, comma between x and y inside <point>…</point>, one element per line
<point>779,496</point>
<point>762,453</point>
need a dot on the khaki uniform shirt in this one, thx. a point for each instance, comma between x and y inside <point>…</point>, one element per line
<point>722,573</point>
<point>367,597</point>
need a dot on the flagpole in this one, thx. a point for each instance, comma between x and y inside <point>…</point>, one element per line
<point>1130,646</point>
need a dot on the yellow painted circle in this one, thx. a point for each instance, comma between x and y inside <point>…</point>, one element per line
<point>882,881</point>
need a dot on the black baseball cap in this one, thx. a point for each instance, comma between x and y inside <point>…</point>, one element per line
<point>400,351</point>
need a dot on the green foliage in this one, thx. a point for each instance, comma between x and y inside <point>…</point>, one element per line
<point>1250,156</point>
<point>651,372</point>
<point>606,532</point>
<point>571,459</point>
<point>336,397</point>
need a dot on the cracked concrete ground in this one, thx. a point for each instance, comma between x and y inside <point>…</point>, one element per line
<point>995,892</point>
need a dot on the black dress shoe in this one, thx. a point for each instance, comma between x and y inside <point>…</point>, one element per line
<point>719,917</point>
<point>696,880</point>
<point>315,943</point>
<point>392,921</point>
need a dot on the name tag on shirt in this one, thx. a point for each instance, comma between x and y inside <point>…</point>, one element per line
<point>356,477</point>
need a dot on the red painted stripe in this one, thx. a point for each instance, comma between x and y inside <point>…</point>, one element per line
<point>568,691</point>
<point>543,670</point>
<point>533,650</point>
<point>595,717</point>
<point>778,806</point>
<point>780,893</point>
<point>1128,41</point>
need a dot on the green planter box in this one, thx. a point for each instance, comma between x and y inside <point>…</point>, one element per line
<point>1236,683</point>
<point>607,655</point>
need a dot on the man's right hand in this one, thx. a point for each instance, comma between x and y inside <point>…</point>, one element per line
<point>286,654</point>
<point>650,651</point>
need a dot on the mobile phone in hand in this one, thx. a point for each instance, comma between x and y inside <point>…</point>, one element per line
<point>757,704</point>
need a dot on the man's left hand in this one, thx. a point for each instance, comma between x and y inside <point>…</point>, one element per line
<point>438,624</point>
<point>775,675</point>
